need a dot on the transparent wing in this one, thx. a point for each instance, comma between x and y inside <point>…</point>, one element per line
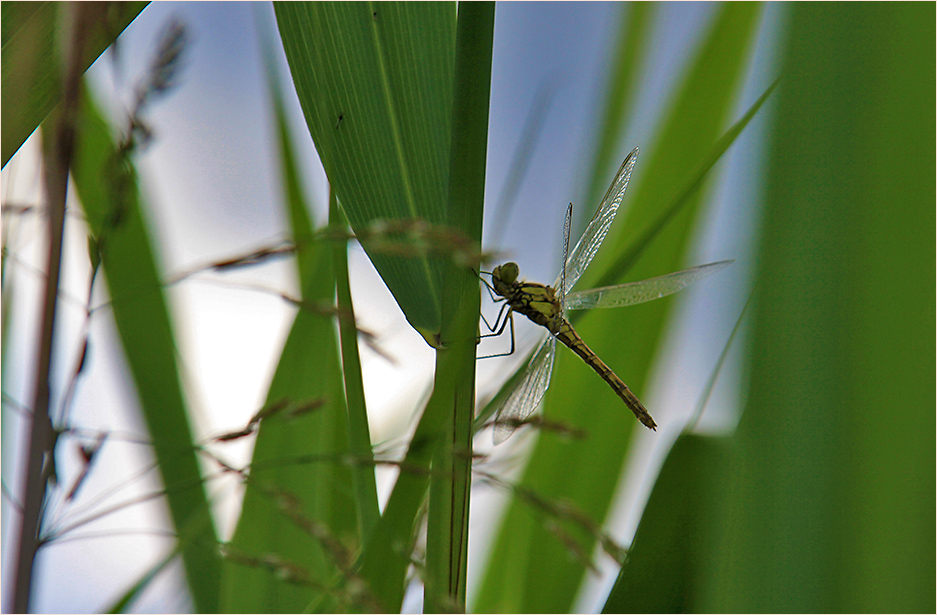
<point>525,398</point>
<point>639,292</point>
<point>580,256</point>
<point>561,288</point>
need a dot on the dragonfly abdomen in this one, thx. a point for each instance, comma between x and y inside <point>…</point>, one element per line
<point>566,334</point>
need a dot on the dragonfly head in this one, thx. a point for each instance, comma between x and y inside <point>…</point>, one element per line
<point>503,277</point>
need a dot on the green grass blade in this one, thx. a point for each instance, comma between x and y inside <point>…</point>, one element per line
<point>586,473</point>
<point>126,600</point>
<point>375,85</point>
<point>108,191</point>
<point>30,83</point>
<point>386,558</point>
<point>384,561</point>
<point>832,499</point>
<point>447,525</point>
<point>359,434</point>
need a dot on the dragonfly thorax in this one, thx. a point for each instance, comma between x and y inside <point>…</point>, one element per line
<point>536,301</point>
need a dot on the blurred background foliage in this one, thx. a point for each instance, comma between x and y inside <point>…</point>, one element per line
<point>821,499</point>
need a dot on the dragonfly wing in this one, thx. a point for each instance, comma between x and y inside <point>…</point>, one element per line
<point>526,397</point>
<point>561,288</point>
<point>639,292</point>
<point>580,256</point>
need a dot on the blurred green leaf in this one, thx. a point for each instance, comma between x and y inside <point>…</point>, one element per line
<point>133,592</point>
<point>665,570</point>
<point>670,559</point>
<point>375,85</point>
<point>586,473</point>
<point>830,502</point>
<point>30,84</point>
<point>687,195</point>
<point>387,554</point>
<point>299,514</point>
<point>631,51</point>
<point>298,529</point>
<point>107,187</point>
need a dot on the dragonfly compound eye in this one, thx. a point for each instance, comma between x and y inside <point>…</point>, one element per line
<point>508,272</point>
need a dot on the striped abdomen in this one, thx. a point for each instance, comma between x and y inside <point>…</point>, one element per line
<point>566,334</point>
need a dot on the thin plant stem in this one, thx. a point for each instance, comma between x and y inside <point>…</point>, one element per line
<point>59,147</point>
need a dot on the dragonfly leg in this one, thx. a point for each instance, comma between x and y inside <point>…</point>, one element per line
<point>508,319</point>
<point>491,292</point>
<point>494,331</point>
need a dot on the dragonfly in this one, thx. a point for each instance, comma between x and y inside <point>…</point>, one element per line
<point>547,306</point>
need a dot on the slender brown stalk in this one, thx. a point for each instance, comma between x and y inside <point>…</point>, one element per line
<point>58,148</point>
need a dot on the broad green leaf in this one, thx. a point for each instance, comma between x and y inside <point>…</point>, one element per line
<point>30,83</point>
<point>106,185</point>
<point>585,473</point>
<point>830,506</point>
<point>375,84</point>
